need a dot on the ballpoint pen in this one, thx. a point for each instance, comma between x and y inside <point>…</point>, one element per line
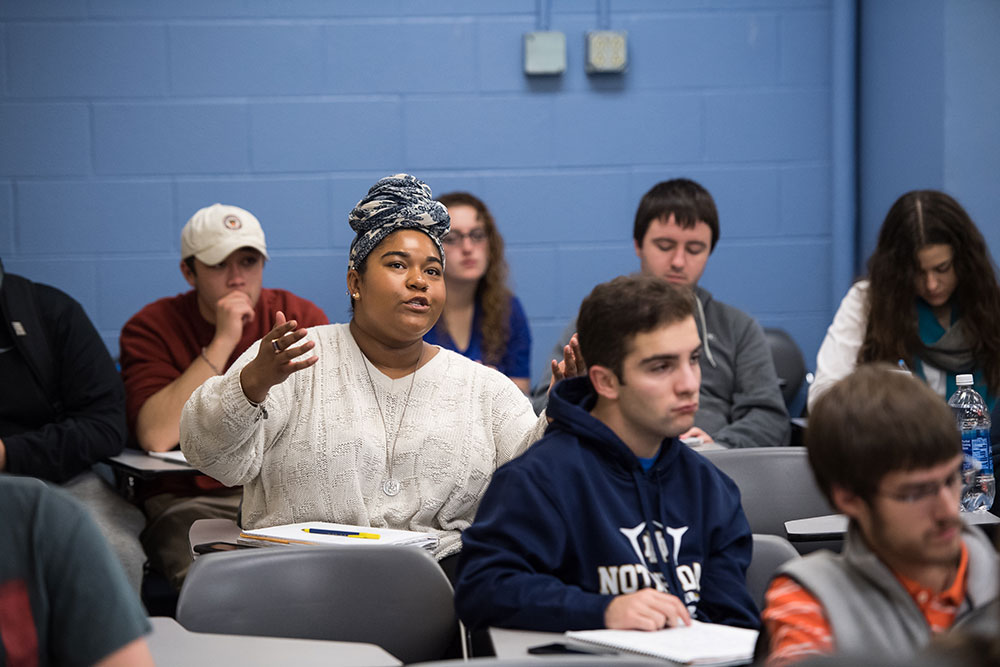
<point>341,533</point>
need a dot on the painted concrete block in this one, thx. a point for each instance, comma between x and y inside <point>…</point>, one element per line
<point>51,9</point>
<point>532,275</point>
<point>44,139</point>
<point>806,48</point>
<point>127,284</point>
<point>86,60</point>
<point>171,138</point>
<point>326,136</point>
<point>780,125</point>
<point>582,267</point>
<point>98,216</point>
<point>266,58</point>
<point>470,132</point>
<point>592,130</point>
<point>6,219</point>
<point>292,211</point>
<point>805,201</point>
<point>705,50</point>
<point>394,58</point>
<point>556,207</point>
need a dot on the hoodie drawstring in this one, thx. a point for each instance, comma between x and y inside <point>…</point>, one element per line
<point>705,346</point>
<point>667,562</point>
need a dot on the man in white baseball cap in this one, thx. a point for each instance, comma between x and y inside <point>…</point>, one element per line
<point>174,344</point>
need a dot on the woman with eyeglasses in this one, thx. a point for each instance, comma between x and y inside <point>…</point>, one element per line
<point>482,318</point>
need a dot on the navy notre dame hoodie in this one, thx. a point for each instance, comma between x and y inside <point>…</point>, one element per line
<point>575,521</point>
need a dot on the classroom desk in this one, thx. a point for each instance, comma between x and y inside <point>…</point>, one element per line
<point>515,643</point>
<point>834,526</point>
<point>135,464</point>
<point>171,644</point>
<point>706,447</point>
<point>140,464</point>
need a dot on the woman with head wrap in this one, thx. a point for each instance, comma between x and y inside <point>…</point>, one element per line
<point>364,423</point>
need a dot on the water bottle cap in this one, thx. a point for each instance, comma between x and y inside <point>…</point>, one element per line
<point>963,380</point>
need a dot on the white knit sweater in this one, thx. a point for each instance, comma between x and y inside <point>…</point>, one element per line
<point>321,452</point>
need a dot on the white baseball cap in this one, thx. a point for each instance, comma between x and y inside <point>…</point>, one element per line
<point>215,231</point>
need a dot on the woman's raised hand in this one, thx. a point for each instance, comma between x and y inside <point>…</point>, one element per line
<point>276,359</point>
<point>571,365</point>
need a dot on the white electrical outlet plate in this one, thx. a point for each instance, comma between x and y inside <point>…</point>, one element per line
<point>544,52</point>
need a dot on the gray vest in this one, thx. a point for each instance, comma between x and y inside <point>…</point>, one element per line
<point>869,611</point>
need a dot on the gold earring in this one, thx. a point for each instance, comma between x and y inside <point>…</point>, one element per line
<point>356,295</point>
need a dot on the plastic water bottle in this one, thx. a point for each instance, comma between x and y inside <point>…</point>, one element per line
<point>974,422</point>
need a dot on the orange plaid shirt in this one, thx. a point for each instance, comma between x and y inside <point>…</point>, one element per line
<point>799,628</point>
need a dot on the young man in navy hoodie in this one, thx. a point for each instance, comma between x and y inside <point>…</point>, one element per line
<point>609,520</point>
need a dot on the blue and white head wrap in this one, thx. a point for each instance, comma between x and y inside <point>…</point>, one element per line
<point>396,202</point>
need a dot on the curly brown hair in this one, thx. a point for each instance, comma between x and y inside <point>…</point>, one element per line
<point>492,293</point>
<point>918,219</point>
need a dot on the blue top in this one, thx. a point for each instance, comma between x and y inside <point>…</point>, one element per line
<point>516,362</point>
<point>575,521</point>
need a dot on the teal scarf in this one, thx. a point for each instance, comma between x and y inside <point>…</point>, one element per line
<point>948,350</point>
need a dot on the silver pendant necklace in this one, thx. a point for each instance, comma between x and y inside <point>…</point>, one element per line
<point>391,486</point>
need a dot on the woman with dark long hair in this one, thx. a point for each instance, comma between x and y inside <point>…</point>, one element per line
<point>931,302</point>
<point>482,318</point>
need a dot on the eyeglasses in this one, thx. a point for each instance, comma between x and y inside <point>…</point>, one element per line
<point>477,236</point>
<point>956,483</point>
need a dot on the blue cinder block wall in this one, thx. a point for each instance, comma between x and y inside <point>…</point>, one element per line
<point>119,118</point>
<point>929,108</point>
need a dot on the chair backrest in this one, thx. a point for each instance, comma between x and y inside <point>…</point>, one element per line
<point>769,552</point>
<point>776,485</point>
<point>393,596</point>
<point>602,660</point>
<point>204,531</point>
<point>788,362</point>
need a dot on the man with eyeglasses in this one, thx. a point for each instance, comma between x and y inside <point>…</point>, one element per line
<point>886,452</point>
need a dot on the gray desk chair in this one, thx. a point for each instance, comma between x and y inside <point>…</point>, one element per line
<point>776,485</point>
<point>769,553</point>
<point>395,597</point>
<point>789,363</point>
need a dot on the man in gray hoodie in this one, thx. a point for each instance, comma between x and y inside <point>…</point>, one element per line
<point>676,229</point>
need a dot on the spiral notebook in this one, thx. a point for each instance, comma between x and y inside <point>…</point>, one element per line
<point>299,534</point>
<point>703,644</point>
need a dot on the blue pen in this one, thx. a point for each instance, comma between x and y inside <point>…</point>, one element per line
<point>341,533</point>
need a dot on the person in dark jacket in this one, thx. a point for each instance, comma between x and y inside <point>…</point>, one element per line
<point>609,520</point>
<point>62,406</point>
